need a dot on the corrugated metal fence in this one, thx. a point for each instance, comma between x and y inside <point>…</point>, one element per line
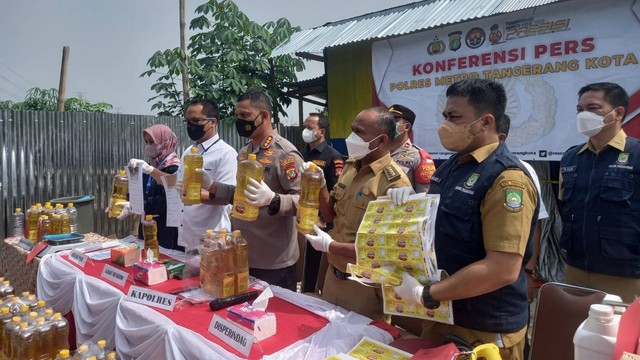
<point>48,155</point>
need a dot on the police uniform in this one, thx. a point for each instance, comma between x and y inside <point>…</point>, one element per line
<point>600,194</point>
<point>272,237</point>
<point>487,202</point>
<point>331,162</point>
<point>355,188</point>
<point>416,163</point>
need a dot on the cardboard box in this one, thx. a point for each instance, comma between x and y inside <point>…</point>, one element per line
<point>150,273</point>
<point>125,255</point>
<point>257,322</point>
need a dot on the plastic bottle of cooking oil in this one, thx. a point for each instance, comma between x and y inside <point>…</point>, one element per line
<point>18,223</point>
<point>208,265</point>
<point>242,263</point>
<point>192,180</point>
<point>5,319</point>
<point>32,223</point>
<point>63,354</point>
<point>61,331</point>
<point>24,342</point>
<point>310,185</point>
<point>119,193</point>
<point>150,232</point>
<point>73,217</point>
<point>56,224</point>
<point>247,169</point>
<point>10,329</point>
<point>44,227</point>
<point>45,339</point>
<point>228,264</point>
<point>66,224</point>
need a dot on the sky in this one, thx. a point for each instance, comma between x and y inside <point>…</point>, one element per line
<point>111,41</point>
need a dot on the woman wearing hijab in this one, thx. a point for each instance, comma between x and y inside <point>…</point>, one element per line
<point>160,148</point>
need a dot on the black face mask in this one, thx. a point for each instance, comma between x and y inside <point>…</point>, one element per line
<point>246,128</point>
<point>195,132</point>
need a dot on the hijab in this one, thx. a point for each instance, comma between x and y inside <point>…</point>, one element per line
<point>167,141</point>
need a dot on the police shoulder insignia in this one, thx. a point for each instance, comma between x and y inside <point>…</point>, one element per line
<point>391,173</point>
<point>513,199</point>
<point>267,141</point>
<point>513,184</point>
<point>288,165</point>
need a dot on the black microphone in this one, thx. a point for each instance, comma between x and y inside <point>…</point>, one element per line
<point>219,303</point>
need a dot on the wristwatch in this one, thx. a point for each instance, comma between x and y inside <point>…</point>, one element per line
<point>533,272</point>
<point>274,205</point>
<point>428,301</point>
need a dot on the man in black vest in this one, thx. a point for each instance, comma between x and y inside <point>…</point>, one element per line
<point>484,225</point>
<point>600,194</point>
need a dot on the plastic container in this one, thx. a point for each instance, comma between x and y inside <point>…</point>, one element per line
<point>61,331</point>
<point>119,193</point>
<point>7,337</point>
<point>56,224</point>
<point>595,338</point>
<point>32,223</point>
<point>84,212</point>
<point>192,180</point>
<point>241,263</point>
<point>247,169</point>
<point>309,202</point>
<point>44,227</point>
<point>228,264</point>
<point>150,233</point>
<point>18,223</point>
<point>72,212</point>
<point>63,354</point>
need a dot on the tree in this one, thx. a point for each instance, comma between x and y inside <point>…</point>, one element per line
<point>47,100</point>
<point>229,55</point>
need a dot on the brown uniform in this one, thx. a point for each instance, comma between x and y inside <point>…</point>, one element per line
<point>355,188</point>
<point>416,163</point>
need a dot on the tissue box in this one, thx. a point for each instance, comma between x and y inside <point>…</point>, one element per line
<point>257,322</point>
<point>150,273</point>
<point>125,255</point>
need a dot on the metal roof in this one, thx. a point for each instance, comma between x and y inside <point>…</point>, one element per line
<point>401,20</point>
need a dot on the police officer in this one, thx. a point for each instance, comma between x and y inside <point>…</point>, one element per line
<point>600,196</point>
<point>414,161</point>
<point>485,221</point>
<point>368,173</point>
<point>331,162</point>
<point>272,237</point>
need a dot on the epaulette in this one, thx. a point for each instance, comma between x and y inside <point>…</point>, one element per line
<point>391,173</point>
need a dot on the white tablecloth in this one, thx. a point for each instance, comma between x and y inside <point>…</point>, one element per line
<point>139,332</point>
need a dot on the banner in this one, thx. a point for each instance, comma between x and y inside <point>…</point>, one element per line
<point>542,56</point>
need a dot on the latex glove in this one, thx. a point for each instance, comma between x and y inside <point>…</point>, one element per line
<point>258,193</point>
<point>321,240</point>
<point>400,196</point>
<point>206,179</point>
<point>126,210</point>
<point>410,289</point>
<point>146,168</point>
<point>305,165</point>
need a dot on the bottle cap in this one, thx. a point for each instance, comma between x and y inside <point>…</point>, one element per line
<point>18,209</point>
<point>601,313</point>
<point>312,167</point>
<point>4,310</point>
<point>252,156</point>
<point>121,172</point>
<point>70,205</point>
<point>102,343</point>
<point>194,150</point>
<point>148,217</point>
<point>64,353</point>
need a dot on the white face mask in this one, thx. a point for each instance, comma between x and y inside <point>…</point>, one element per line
<point>152,150</point>
<point>358,148</point>
<point>590,124</point>
<point>308,136</point>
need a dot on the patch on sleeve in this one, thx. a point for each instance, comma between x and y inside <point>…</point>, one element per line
<point>513,184</point>
<point>513,199</point>
<point>288,165</point>
<point>338,164</point>
<point>320,163</point>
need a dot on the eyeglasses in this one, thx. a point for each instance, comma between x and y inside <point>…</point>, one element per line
<point>196,121</point>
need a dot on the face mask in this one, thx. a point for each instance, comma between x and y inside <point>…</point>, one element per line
<point>455,137</point>
<point>195,132</point>
<point>358,148</point>
<point>398,132</point>
<point>246,128</point>
<point>152,150</point>
<point>308,136</point>
<point>589,124</point>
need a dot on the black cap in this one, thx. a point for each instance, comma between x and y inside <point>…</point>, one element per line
<point>401,111</point>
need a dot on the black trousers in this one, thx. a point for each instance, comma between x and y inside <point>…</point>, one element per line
<point>285,277</point>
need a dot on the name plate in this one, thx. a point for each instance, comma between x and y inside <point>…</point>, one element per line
<point>114,274</point>
<point>151,298</point>
<point>79,258</point>
<point>231,334</point>
<point>25,244</point>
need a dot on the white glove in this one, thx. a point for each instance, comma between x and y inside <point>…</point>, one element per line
<point>400,196</point>
<point>146,168</point>
<point>410,289</point>
<point>206,179</point>
<point>321,240</point>
<point>258,193</point>
<point>305,166</point>
<point>126,210</point>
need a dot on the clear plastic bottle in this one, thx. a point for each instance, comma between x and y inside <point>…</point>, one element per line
<point>63,354</point>
<point>7,289</point>
<point>18,223</point>
<point>82,353</point>
<point>228,264</point>
<point>192,180</point>
<point>101,352</point>
<point>10,330</point>
<point>30,300</point>
<point>207,262</point>
<point>24,342</point>
<point>32,223</point>
<point>41,209</point>
<point>119,193</point>
<point>150,233</point>
<point>44,227</point>
<point>247,169</point>
<point>111,355</point>
<point>49,211</point>
<point>595,338</point>
<point>241,263</point>
<point>5,319</point>
<point>309,202</point>
<point>56,224</point>
<point>73,217</point>
<point>45,339</point>
<point>61,331</point>
<point>66,224</point>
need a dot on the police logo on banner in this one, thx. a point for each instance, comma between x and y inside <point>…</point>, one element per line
<point>436,47</point>
<point>454,40</point>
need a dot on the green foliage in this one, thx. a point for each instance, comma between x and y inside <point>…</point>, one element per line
<point>47,100</point>
<point>227,56</point>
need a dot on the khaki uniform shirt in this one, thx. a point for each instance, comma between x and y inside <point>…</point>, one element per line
<point>416,163</point>
<point>272,238</point>
<point>355,188</point>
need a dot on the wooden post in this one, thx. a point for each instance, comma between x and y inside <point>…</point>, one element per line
<point>183,46</point>
<point>63,78</point>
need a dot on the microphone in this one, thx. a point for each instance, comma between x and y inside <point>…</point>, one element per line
<point>219,303</point>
